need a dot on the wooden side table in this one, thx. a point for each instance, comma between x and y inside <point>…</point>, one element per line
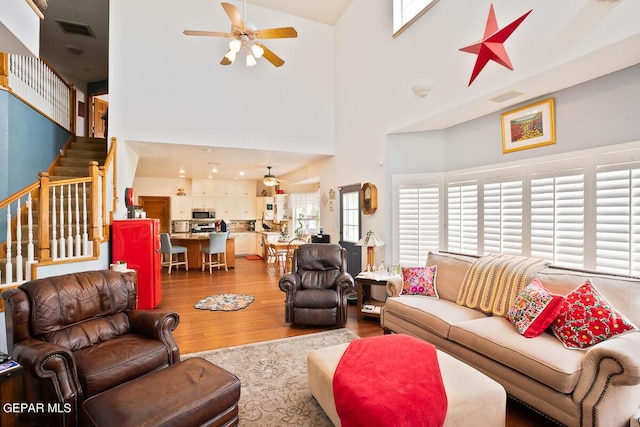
<point>363,287</point>
<point>10,392</point>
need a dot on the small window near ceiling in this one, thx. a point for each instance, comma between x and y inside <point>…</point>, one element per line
<point>406,12</point>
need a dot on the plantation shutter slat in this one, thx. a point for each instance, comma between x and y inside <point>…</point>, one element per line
<point>419,223</point>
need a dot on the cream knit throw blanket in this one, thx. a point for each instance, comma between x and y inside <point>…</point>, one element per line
<point>493,282</point>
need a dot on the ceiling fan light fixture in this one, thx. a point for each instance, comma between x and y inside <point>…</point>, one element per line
<point>251,60</point>
<point>257,51</point>
<point>235,45</point>
<point>270,181</point>
<point>231,55</point>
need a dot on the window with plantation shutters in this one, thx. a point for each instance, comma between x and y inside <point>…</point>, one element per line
<point>618,219</point>
<point>462,217</point>
<point>418,223</point>
<point>502,219</point>
<point>558,217</point>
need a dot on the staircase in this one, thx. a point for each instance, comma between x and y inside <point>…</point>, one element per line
<point>69,208</point>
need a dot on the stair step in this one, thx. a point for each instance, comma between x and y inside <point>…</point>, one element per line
<point>77,162</point>
<point>76,172</point>
<point>98,156</point>
<point>89,146</point>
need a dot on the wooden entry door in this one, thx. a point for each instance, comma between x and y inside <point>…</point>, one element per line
<point>157,207</point>
<point>98,124</point>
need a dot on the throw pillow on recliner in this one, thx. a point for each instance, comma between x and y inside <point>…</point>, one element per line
<point>534,309</point>
<point>419,281</point>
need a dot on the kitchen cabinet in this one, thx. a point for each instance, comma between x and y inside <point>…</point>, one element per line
<point>244,243</point>
<point>203,187</point>
<point>245,188</point>
<point>226,208</point>
<point>181,207</point>
<point>246,208</point>
<point>226,188</point>
<point>203,202</point>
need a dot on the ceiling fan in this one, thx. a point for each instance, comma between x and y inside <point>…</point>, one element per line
<point>244,37</point>
<point>269,179</point>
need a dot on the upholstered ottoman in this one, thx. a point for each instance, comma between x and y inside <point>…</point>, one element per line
<point>473,398</point>
<point>190,393</point>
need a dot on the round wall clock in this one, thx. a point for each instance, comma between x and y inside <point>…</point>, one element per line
<point>368,198</point>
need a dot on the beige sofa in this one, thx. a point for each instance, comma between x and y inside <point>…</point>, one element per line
<point>595,387</point>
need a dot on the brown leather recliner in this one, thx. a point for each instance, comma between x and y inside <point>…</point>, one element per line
<point>317,287</point>
<point>79,334</point>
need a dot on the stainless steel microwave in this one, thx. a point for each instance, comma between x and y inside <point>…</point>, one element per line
<point>203,213</point>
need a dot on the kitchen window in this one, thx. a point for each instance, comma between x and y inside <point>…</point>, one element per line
<point>305,208</point>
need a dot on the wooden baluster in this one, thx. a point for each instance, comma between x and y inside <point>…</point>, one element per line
<point>8,273</point>
<point>30,247</point>
<point>85,234</point>
<point>62,240</point>
<point>54,226</point>
<point>69,224</point>
<point>19,266</point>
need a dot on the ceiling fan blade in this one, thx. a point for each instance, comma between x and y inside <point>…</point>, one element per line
<point>205,33</point>
<point>225,60</point>
<point>277,33</point>
<point>270,56</point>
<point>234,15</point>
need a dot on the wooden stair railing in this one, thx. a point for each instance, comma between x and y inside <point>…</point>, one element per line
<point>70,221</point>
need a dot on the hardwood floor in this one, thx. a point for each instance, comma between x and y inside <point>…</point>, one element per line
<point>263,320</point>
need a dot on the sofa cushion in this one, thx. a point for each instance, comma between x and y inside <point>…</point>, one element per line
<point>534,309</point>
<point>434,315</point>
<point>451,270</point>
<point>586,318</point>
<point>419,281</point>
<point>542,358</point>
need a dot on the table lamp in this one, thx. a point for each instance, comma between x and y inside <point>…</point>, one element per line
<point>370,241</point>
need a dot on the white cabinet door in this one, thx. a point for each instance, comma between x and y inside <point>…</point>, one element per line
<point>226,188</point>
<point>246,208</point>
<point>226,208</point>
<point>180,207</point>
<point>203,188</point>
<point>204,202</point>
<point>246,188</point>
<point>243,244</point>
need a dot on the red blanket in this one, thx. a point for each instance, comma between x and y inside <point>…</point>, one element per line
<point>390,380</point>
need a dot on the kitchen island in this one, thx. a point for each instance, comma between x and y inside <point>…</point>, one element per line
<point>194,242</point>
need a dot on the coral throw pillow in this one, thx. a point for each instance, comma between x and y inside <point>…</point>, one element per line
<point>419,281</point>
<point>534,309</point>
<point>586,318</point>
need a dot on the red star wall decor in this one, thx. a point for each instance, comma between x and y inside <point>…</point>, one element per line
<point>491,47</point>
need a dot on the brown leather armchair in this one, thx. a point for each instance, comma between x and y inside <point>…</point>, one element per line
<point>79,334</point>
<point>317,287</point>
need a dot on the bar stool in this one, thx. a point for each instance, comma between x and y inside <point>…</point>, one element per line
<point>217,246</point>
<point>166,248</point>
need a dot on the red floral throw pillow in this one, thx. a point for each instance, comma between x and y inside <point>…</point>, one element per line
<point>534,309</point>
<point>419,281</point>
<point>586,318</point>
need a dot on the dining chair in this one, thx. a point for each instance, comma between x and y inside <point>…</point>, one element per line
<point>170,253</point>
<point>217,246</point>
<point>269,253</point>
<point>291,247</point>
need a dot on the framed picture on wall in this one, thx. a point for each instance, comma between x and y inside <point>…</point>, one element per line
<point>529,127</point>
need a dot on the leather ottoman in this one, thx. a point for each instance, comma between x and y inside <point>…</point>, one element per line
<point>194,392</point>
<point>473,398</point>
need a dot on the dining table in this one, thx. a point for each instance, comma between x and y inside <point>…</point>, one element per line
<point>281,249</point>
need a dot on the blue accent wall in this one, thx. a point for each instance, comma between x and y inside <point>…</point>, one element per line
<point>29,143</point>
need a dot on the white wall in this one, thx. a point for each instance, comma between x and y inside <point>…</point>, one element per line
<point>19,28</point>
<point>168,87</point>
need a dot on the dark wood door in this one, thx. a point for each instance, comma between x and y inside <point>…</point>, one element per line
<point>157,207</point>
<point>350,227</point>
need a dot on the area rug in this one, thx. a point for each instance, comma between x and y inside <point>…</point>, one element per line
<point>273,378</point>
<point>225,302</point>
<point>254,257</point>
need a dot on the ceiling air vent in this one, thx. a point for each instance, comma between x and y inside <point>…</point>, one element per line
<point>75,28</point>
